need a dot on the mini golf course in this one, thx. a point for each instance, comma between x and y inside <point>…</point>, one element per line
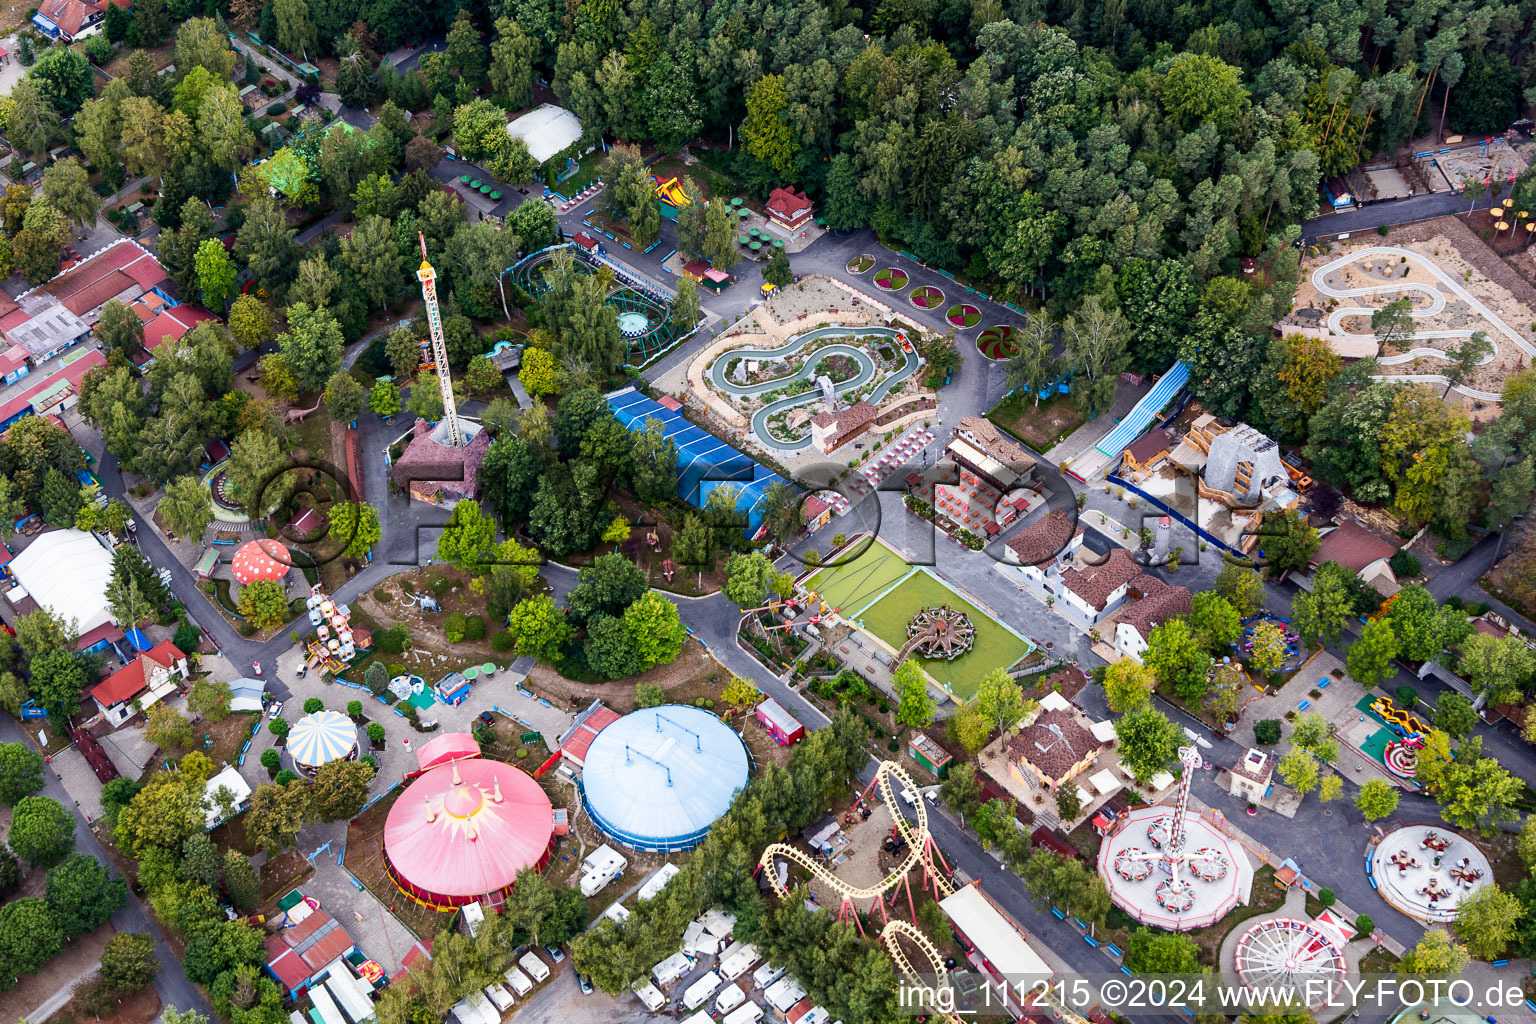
<point>891,279</point>
<point>860,264</point>
<point>997,342</point>
<point>963,315</point>
<point>926,296</point>
<point>881,592</point>
<point>807,371</point>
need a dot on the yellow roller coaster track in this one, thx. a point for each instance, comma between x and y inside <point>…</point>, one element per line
<point>919,850</point>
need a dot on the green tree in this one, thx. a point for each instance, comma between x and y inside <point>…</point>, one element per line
<point>1128,686</point>
<point>1393,324</point>
<point>129,962</point>
<point>384,399</point>
<point>345,398</point>
<point>916,705</point>
<point>42,831</point>
<point>312,344</point>
<point>21,772</point>
<point>1215,622</point>
<point>295,30</point>
<point>373,256</point>
<point>275,816</point>
<point>241,881</point>
<point>750,578</point>
<point>1454,714</point>
<point>468,538</point>
<point>655,629</point>
<point>355,525</point>
<point>57,681</point>
<point>1370,658</point>
<point>209,698</point>
<point>186,510</point>
<point>609,649</point>
<point>1436,956</point>
<point>255,472</point>
<point>1288,541</point>
<point>1177,657</point>
<point>777,272</point>
<point>1299,770</point>
<point>82,894</point>
<point>168,729</point>
<point>215,274</point>
<point>649,695</point>
<point>264,603</point>
<point>1001,700</point>
<point>1267,648</point>
<point>538,629</point>
<point>61,499</point>
<point>30,936</point>
<point>340,789</point>
<point>1150,952</point>
<point>1322,614</point>
<point>686,309</point>
<point>1377,799</point>
<point>67,187</point>
<point>1199,88</point>
<point>1148,742</point>
<point>961,789</point>
<point>766,133</point>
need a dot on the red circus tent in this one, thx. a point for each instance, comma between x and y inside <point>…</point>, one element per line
<point>263,559</point>
<point>451,746</point>
<point>464,830</point>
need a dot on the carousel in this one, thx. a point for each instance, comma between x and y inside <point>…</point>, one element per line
<point>940,633</point>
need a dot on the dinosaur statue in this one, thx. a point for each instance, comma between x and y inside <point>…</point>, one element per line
<point>293,416</point>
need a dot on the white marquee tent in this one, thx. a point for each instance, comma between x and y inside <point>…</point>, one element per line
<point>66,572</point>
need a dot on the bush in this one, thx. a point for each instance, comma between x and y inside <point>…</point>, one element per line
<point>273,109</point>
<point>1326,897</point>
<point>355,708</point>
<point>278,727</point>
<point>453,627</point>
<point>370,761</point>
<point>502,641</point>
<point>98,50</point>
<point>1406,696</point>
<point>286,776</point>
<point>271,760</point>
<point>1266,732</point>
<point>1405,565</point>
<point>313,704</point>
<point>393,640</point>
<point>522,752</point>
<point>1364,925</point>
<point>474,627</point>
<point>186,638</point>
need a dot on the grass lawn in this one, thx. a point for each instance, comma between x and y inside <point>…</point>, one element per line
<point>996,646</point>
<point>1039,427</point>
<point>853,584</point>
<point>856,587</point>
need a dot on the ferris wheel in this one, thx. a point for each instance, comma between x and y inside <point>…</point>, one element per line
<point>1284,952</point>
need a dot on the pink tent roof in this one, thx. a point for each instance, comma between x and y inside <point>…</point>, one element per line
<point>263,559</point>
<point>450,746</point>
<point>466,828</point>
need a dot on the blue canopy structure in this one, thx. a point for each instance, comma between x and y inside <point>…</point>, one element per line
<point>1140,418</point>
<point>657,779</point>
<point>704,462</point>
<point>139,640</point>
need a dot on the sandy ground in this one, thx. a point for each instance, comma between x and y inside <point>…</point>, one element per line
<point>1456,315</point>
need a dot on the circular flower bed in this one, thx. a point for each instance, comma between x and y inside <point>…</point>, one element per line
<point>891,279</point>
<point>997,342</point>
<point>963,314</point>
<point>861,263</point>
<point>926,296</point>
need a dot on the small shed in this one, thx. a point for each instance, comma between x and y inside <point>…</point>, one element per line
<point>781,725</point>
<point>928,754</point>
<point>207,563</point>
<point>452,688</point>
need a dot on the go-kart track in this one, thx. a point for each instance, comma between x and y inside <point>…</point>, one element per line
<point>1436,294</point>
<point>867,370</point>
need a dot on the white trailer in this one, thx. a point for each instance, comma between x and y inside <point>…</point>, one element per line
<point>701,990</point>
<point>536,968</point>
<point>738,963</point>
<point>748,1013</point>
<point>520,982</point>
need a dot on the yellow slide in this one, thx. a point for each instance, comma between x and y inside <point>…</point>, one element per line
<point>672,191</point>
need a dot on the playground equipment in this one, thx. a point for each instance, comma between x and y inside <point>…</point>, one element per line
<point>671,191</point>
<point>1402,757</point>
<point>940,632</point>
<point>1403,722</point>
<point>920,847</point>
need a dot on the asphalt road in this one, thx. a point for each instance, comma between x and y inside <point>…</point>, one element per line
<point>1394,211</point>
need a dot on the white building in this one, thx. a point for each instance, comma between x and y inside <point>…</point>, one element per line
<point>152,676</point>
<point>66,572</point>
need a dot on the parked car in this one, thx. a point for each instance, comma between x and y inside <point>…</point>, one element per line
<point>555,952</point>
<point>583,981</point>
<point>303,669</point>
<point>275,709</point>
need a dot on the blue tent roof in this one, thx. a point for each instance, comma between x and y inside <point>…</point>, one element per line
<point>1140,418</point>
<point>657,779</point>
<point>138,639</point>
<point>704,462</point>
